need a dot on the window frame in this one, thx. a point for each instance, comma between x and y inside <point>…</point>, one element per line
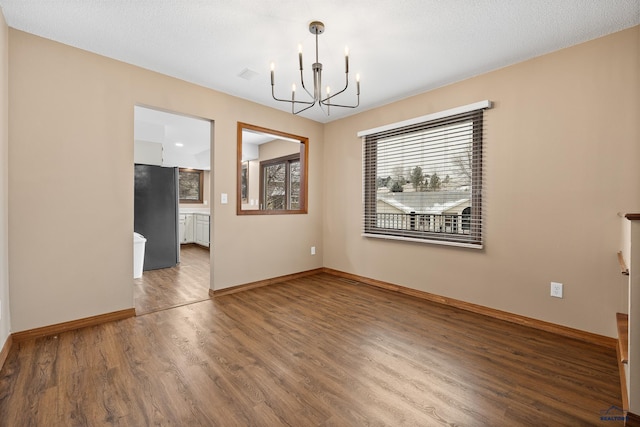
<point>287,161</point>
<point>408,229</point>
<point>304,172</point>
<point>200,185</point>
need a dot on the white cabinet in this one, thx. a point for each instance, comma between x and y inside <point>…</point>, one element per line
<point>202,229</point>
<point>194,228</point>
<point>186,228</point>
<point>631,336</point>
<point>181,225</point>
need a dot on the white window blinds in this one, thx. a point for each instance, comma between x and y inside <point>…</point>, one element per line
<point>423,178</point>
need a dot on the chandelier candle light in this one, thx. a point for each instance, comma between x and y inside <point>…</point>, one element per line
<point>316,28</point>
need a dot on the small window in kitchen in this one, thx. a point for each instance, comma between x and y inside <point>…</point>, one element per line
<point>190,182</point>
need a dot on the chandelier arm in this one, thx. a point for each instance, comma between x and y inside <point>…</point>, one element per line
<point>293,102</point>
<point>273,95</point>
<point>327,101</point>
<point>305,108</point>
<point>305,88</point>
<point>342,106</point>
<point>321,105</point>
<point>346,85</point>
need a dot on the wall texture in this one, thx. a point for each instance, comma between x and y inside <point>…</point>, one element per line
<point>561,161</point>
<point>5,323</point>
<point>562,153</point>
<point>71,183</point>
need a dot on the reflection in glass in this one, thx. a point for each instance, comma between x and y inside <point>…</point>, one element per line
<point>245,182</point>
<point>281,183</point>
<point>190,185</point>
<point>271,171</point>
<point>274,188</point>
<point>294,184</point>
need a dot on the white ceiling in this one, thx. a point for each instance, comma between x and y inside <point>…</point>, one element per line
<point>186,141</point>
<point>399,47</point>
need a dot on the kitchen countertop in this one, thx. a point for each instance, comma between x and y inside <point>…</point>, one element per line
<point>200,211</point>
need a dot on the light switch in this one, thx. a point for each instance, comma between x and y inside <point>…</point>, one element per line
<point>223,198</point>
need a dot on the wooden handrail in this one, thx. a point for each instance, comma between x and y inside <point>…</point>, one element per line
<point>623,265</point>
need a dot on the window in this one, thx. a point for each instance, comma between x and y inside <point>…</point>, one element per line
<point>280,183</point>
<point>423,178</point>
<point>190,183</point>
<point>272,172</point>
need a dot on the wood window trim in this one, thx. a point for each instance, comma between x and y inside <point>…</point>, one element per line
<point>304,172</point>
<point>200,199</point>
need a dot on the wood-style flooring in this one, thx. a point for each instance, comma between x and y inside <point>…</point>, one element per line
<point>317,351</point>
<point>170,287</point>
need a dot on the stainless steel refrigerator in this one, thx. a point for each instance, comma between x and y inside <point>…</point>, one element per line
<point>156,214</point>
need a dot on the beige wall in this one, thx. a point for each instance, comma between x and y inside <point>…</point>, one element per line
<point>277,148</point>
<point>5,324</point>
<point>71,183</point>
<point>562,158</point>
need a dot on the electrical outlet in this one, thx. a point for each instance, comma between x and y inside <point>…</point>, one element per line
<point>556,289</point>
<point>313,250</point>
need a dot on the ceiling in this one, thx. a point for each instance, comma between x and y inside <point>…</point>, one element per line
<point>185,141</point>
<point>399,48</point>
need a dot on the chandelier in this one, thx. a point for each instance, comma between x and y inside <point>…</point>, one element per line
<point>316,27</point>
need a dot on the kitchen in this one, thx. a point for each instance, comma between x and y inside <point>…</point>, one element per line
<point>171,209</point>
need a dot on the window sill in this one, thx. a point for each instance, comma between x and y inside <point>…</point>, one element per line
<point>427,241</point>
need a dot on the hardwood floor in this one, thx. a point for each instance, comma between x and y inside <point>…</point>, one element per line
<point>316,351</point>
<point>170,287</point>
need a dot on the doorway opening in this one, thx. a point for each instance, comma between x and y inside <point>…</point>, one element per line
<point>172,217</point>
